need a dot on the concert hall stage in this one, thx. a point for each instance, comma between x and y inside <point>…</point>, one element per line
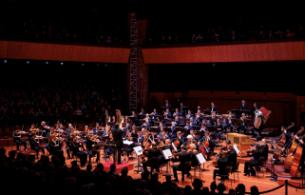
<point>262,179</point>
<point>119,167</point>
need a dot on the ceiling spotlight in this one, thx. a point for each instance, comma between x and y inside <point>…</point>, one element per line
<point>4,61</point>
<point>62,63</point>
<point>27,62</point>
<point>46,62</point>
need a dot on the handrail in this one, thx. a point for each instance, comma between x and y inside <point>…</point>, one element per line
<point>267,191</point>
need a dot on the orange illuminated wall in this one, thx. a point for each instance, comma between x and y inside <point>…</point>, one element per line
<point>247,52</point>
<point>62,52</point>
<point>251,52</point>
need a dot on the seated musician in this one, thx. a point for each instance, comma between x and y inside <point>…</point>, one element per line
<point>45,129</point>
<point>189,114</point>
<point>154,160</point>
<point>92,148</point>
<point>78,150</point>
<point>167,114</point>
<point>288,139</point>
<point>259,155</point>
<point>242,126</point>
<point>226,161</point>
<point>54,145</point>
<point>212,108</point>
<point>177,112</point>
<point>18,139</point>
<point>35,146</point>
<point>142,113</point>
<point>243,107</point>
<point>185,162</point>
<point>188,142</point>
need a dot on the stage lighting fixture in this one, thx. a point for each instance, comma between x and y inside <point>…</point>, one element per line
<point>27,62</point>
<point>61,63</point>
<point>4,61</point>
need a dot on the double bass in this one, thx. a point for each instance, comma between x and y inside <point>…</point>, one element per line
<point>294,170</point>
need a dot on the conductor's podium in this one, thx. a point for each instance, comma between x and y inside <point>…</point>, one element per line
<point>242,141</point>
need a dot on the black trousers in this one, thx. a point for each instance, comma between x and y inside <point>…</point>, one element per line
<point>184,169</point>
<point>249,167</point>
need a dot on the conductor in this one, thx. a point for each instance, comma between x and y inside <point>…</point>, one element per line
<point>117,135</point>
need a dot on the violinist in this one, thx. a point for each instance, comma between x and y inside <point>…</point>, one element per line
<point>188,144</point>
<point>18,139</point>
<point>154,159</point>
<point>92,148</point>
<point>33,130</point>
<point>189,114</point>
<point>225,162</point>
<point>259,155</point>
<point>167,114</point>
<point>35,146</point>
<point>54,145</point>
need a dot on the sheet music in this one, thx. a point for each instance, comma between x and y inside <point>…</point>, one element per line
<point>201,158</point>
<point>127,142</point>
<point>167,154</point>
<point>236,148</point>
<point>138,150</point>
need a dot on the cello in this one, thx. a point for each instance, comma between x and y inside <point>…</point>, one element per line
<point>289,160</point>
<point>294,170</point>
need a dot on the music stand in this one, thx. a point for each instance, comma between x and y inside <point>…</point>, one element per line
<point>167,153</point>
<point>139,152</point>
<point>201,160</point>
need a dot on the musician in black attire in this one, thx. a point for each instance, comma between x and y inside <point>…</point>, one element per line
<point>185,159</point>
<point>154,160</point>
<point>18,140</point>
<point>225,164</point>
<point>259,156</point>
<point>288,133</point>
<point>212,108</point>
<point>117,135</point>
<point>92,150</point>
<point>243,107</point>
<point>35,146</point>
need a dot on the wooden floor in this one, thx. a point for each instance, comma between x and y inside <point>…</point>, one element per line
<point>262,180</point>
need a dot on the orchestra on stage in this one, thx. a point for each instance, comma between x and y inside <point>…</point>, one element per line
<point>182,131</point>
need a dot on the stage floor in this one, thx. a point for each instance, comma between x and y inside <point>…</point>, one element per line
<point>262,179</point>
